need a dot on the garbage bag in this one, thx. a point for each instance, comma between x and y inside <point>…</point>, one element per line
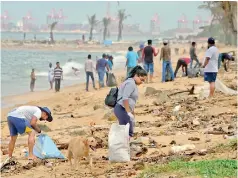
<point>118,143</point>
<point>45,148</point>
<point>201,71</point>
<point>223,88</point>
<point>168,76</point>
<point>111,81</point>
<point>192,73</point>
<point>219,86</point>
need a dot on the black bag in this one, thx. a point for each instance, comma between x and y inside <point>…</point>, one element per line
<point>168,76</point>
<point>111,98</point>
<point>111,81</point>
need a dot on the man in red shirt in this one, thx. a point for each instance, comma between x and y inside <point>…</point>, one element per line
<point>184,63</point>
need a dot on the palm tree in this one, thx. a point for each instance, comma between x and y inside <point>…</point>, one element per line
<point>92,22</point>
<point>121,16</point>
<point>223,13</point>
<point>106,22</point>
<point>230,10</point>
<point>52,27</point>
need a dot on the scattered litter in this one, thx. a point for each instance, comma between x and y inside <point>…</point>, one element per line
<point>196,122</point>
<point>194,138</point>
<point>177,149</point>
<point>202,152</point>
<point>173,142</point>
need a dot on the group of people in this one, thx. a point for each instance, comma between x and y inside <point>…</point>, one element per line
<point>128,91</point>
<point>23,119</point>
<point>103,66</point>
<point>54,75</point>
<point>145,58</point>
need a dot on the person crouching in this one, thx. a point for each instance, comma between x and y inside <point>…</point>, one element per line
<point>184,63</point>
<point>24,120</point>
<point>128,96</point>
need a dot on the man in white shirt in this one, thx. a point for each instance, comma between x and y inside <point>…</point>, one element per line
<point>89,68</point>
<point>211,65</point>
<point>24,120</point>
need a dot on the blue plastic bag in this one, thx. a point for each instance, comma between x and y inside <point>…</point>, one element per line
<point>107,42</point>
<point>45,148</point>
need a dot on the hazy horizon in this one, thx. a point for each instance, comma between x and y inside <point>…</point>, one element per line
<point>141,12</point>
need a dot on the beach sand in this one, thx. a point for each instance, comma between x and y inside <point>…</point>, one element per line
<point>74,109</point>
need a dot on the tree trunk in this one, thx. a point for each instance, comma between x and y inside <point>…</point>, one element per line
<point>108,33</point>
<point>104,33</point>
<point>91,34</point>
<point>119,31</point>
<point>51,37</point>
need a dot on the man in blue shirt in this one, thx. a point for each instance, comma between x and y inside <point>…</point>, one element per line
<point>132,58</point>
<point>100,67</point>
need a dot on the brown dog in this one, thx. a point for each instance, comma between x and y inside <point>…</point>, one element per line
<point>79,147</point>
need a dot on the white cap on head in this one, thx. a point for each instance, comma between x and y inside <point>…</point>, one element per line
<point>165,41</point>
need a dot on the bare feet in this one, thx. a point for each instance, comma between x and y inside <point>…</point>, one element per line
<point>33,157</point>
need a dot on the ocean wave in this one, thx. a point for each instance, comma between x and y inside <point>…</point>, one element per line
<point>67,68</point>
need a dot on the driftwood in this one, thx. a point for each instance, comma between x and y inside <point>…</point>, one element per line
<point>215,132</point>
<point>191,92</point>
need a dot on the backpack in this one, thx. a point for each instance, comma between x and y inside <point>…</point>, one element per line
<point>111,98</point>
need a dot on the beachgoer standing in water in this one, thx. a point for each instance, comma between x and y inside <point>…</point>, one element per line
<point>51,76</point>
<point>89,68</point>
<point>211,65</point>
<point>148,55</point>
<point>132,59</point>
<point>76,71</point>
<point>100,67</point>
<point>33,79</point>
<point>24,120</point>
<point>165,55</point>
<point>128,96</point>
<point>58,76</point>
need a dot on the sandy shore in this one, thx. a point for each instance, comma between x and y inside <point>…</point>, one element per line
<point>73,109</point>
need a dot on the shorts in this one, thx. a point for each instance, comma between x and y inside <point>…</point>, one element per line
<point>210,76</point>
<point>18,125</point>
<point>149,67</point>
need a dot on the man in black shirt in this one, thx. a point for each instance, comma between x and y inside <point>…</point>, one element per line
<point>148,54</point>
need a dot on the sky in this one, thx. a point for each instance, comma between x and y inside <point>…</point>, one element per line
<point>141,11</point>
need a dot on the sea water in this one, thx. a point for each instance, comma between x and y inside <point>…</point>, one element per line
<point>17,65</point>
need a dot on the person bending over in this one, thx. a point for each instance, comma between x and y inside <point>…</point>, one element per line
<point>128,96</point>
<point>184,63</point>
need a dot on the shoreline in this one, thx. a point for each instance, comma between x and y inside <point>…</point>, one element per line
<point>18,99</point>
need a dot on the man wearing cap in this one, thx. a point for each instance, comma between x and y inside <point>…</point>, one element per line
<point>24,120</point>
<point>165,55</point>
<point>211,65</point>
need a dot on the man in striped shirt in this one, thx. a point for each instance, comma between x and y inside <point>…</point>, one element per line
<point>58,76</point>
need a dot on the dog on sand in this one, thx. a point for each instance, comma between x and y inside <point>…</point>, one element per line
<point>79,147</point>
